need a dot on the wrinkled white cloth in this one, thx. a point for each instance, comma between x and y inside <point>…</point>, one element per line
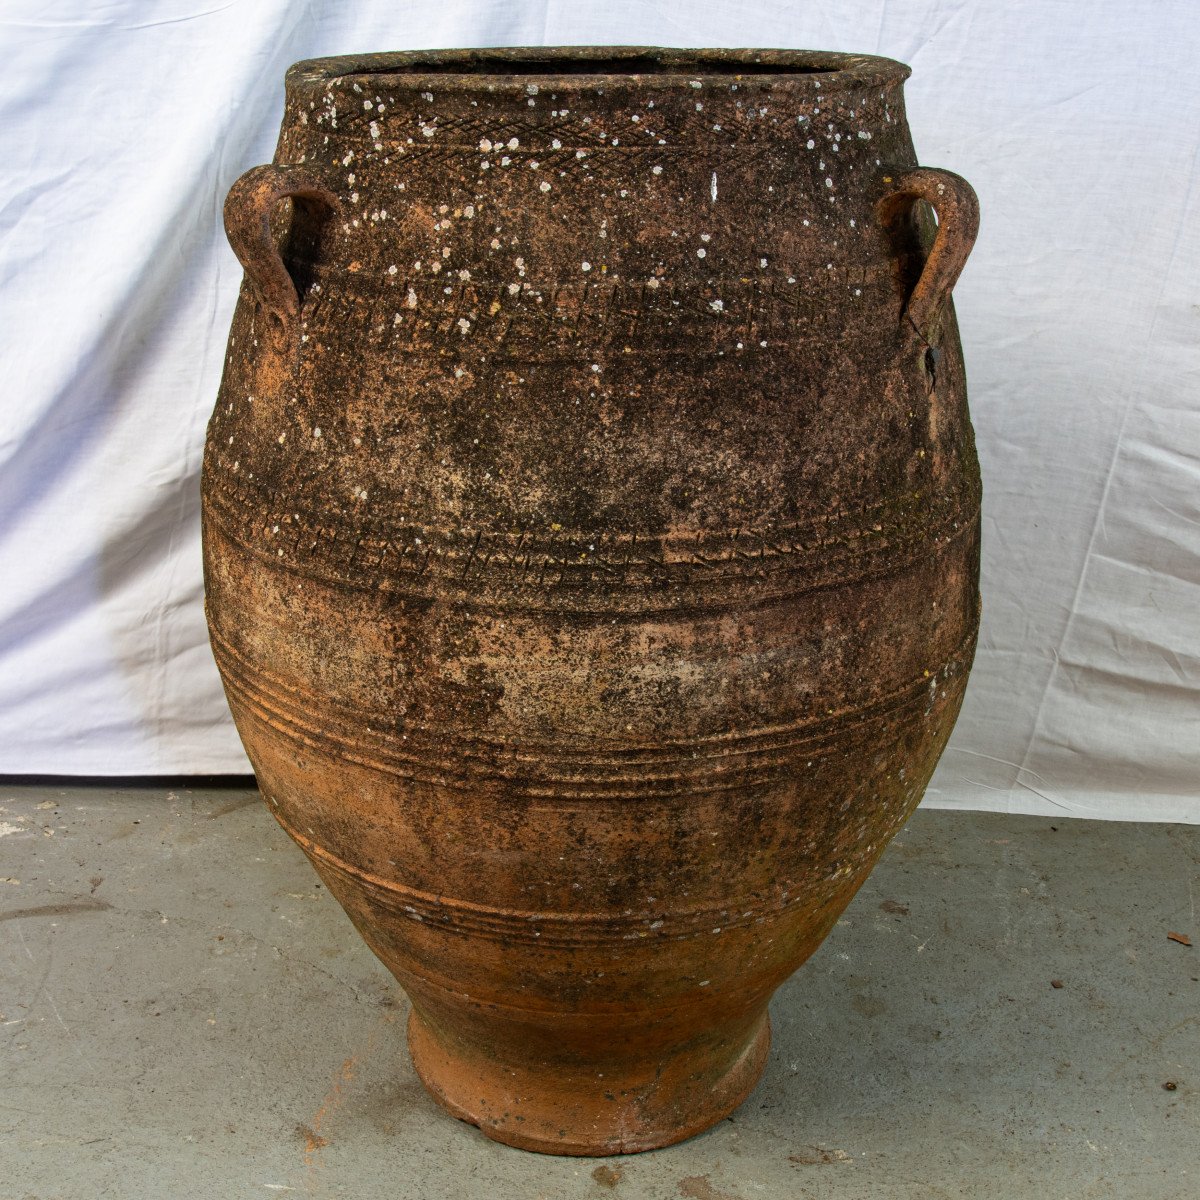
<point>124,123</point>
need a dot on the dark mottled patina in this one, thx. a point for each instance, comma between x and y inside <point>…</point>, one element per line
<point>591,543</point>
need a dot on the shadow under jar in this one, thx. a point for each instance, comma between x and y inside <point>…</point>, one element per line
<point>591,543</point>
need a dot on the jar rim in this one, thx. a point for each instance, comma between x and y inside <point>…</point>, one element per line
<point>530,68</point>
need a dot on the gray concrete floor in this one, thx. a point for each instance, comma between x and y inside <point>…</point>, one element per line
<point>184,1012</point>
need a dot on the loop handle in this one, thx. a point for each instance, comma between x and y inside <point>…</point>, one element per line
<point>957,208</point>
<point>248,209</point>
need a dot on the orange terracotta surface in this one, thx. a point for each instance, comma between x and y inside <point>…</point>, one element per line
<point>591,530</point>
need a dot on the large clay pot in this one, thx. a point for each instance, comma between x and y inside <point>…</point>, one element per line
<point>591,535</point>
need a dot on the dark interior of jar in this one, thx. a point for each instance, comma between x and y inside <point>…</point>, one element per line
<point>485,64</point>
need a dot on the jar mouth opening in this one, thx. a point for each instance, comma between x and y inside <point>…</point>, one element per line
<point>496,68</point>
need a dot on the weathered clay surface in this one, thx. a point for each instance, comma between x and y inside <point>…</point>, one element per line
<point>591,544</point>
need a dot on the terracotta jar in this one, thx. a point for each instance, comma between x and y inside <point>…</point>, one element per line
<point>591,543</point>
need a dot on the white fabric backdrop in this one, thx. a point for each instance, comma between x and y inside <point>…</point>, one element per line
<point>124,123</point>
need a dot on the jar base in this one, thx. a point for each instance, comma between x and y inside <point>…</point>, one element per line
<point>551,1110</point>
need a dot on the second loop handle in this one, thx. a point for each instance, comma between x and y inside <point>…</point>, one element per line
<point>248,209</point>
<point>954,201</point>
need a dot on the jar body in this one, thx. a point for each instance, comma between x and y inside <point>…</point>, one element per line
<point>593,567</point>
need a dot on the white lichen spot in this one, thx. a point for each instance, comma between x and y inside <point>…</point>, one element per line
<point>531,89</point>
<point>595,368</point>
<point>513,143</point>
<point>392,269</point>
<point>810,144</point>
<point>828,182</point>
<point>316,431</point>
<point>484,145</point>
<point>656,169</point>
<point>469,211</point>
<point>544,186</point>
<point>713,188</point>
<point>519,263</point>
<point>762,262</point>
<point>706,237</point>
<point>556,144</point>
<point>652,284</point>
<point>717,305</point>
<point>695,83</point>
<point>464,275</point>
<point>505,161</point>
<point>585,266</point>
<point>463,325</point>
<point>495,243</point>
<point>374,128</point>
<point>513,288</point>
<point>701,253</point>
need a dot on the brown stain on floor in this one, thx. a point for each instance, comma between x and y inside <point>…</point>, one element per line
<point>234,806</point>
<point>314,1130</point>
<point>700,1187</point>
<point>868,1006</point>
<point>73,909</point>
<point>332,1101</point>
<point>312,1140</point>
